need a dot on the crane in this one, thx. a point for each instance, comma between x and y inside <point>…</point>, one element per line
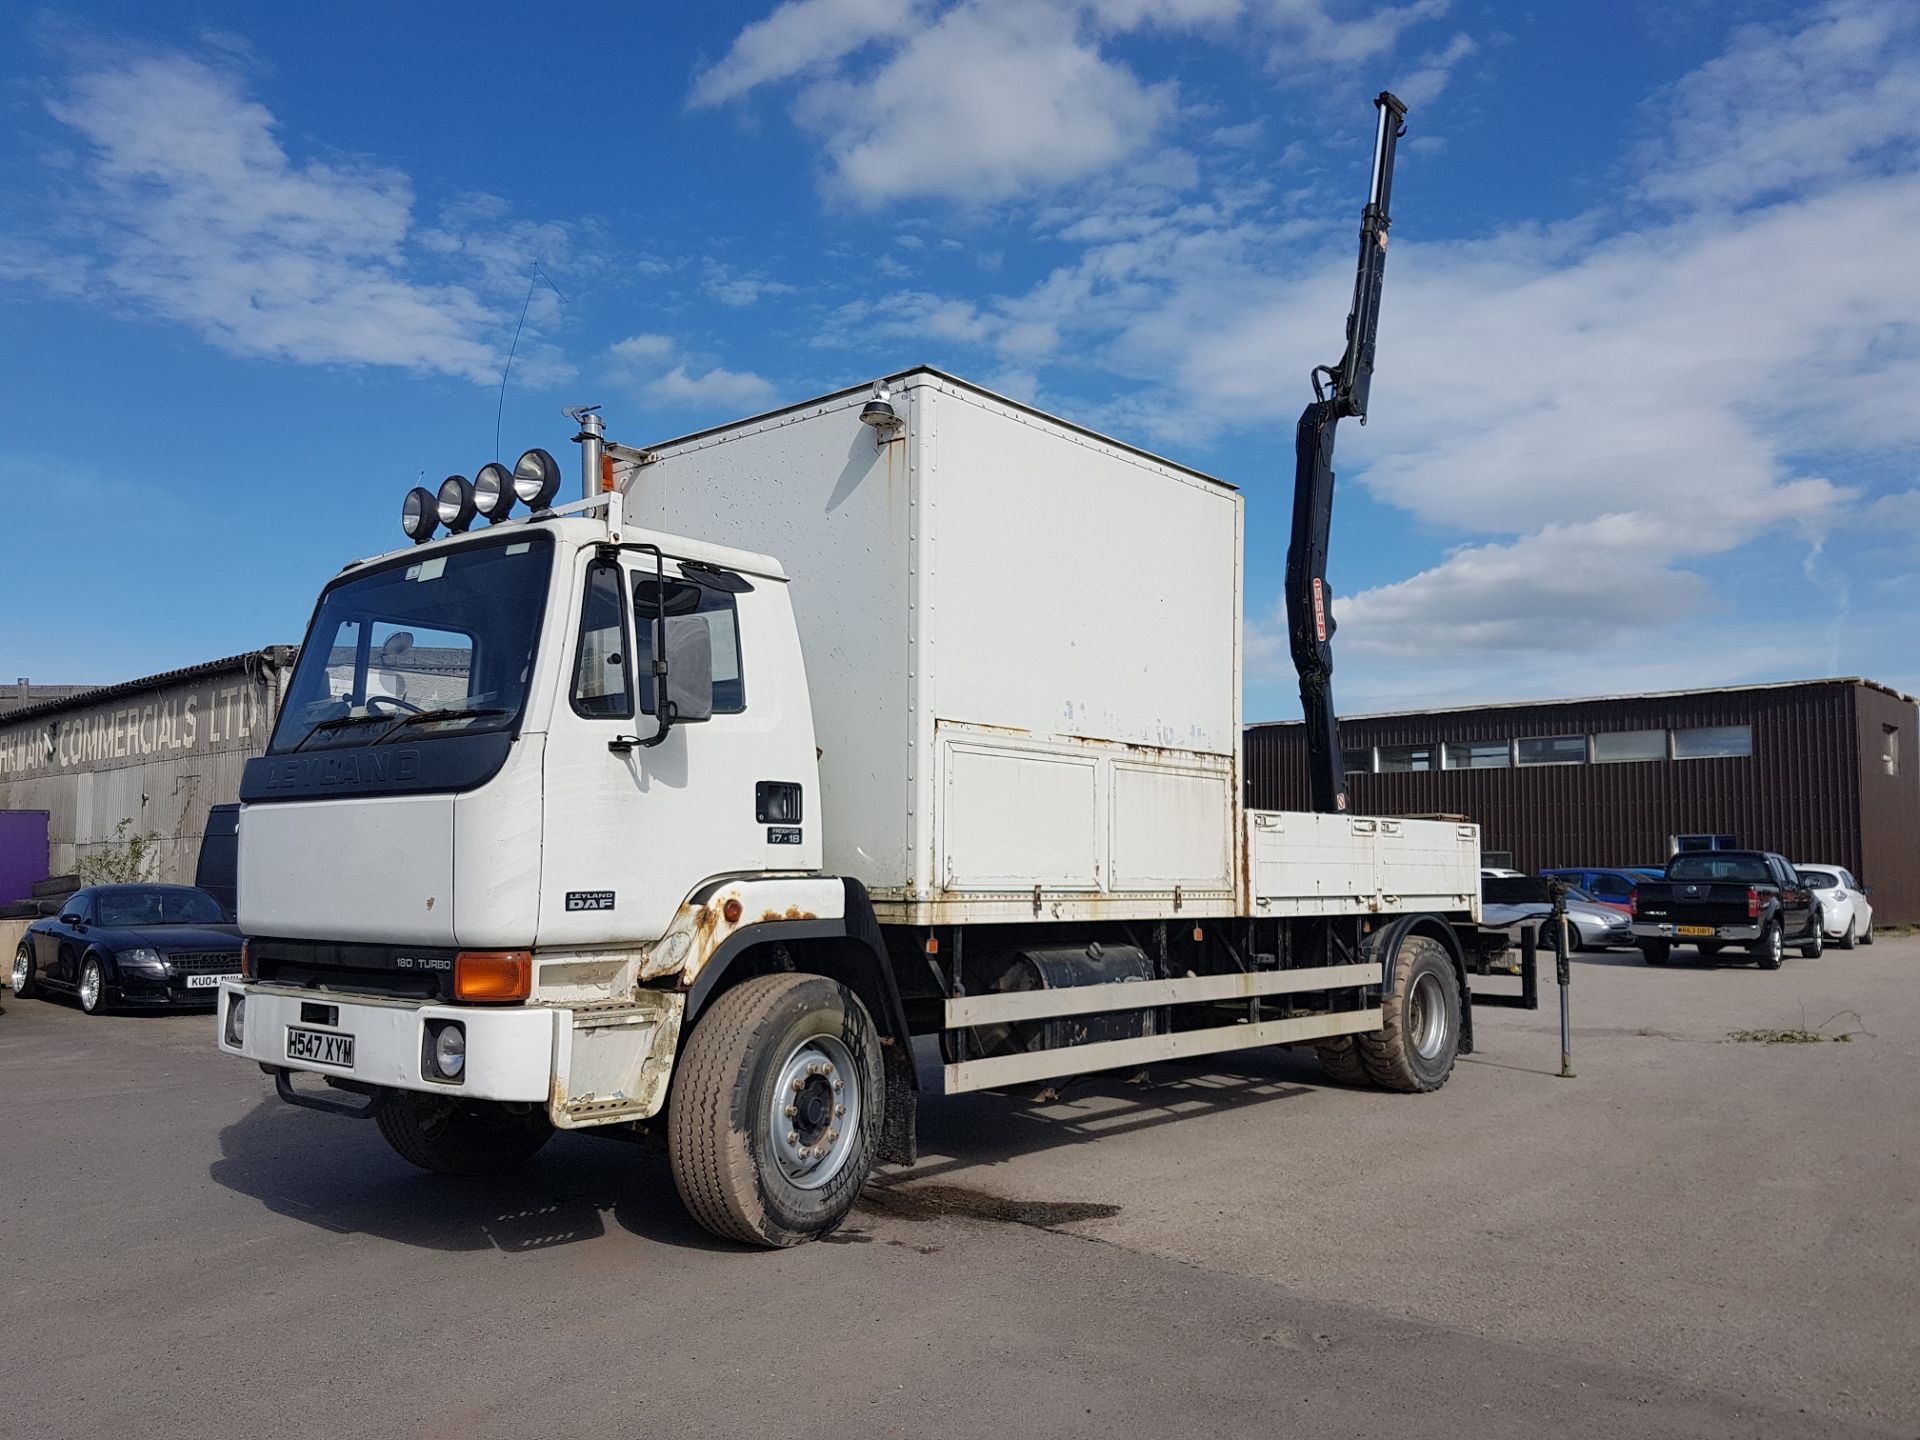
<point>1339,391</point>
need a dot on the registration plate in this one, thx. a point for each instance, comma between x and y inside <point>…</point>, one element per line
<point>209,982</point>
<point>321,1047</point>
<point>1693,929</point>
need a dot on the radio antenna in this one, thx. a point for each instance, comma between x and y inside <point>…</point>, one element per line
<point>500,405</point>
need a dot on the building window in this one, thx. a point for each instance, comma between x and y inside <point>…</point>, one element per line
<point>1621,745</point>
<point>1399,759</point>
<point>1890,751</point>
<point>1708,742</point>
<point>1357,762</point>
<point>1551,750</point>
<point>1477,755</point>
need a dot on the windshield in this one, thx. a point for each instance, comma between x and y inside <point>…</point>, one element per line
<point>156,905</point>
<point>442,645</point>
<point>1749,869</point>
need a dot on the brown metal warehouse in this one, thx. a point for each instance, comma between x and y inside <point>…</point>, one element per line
<point>1823,771</point>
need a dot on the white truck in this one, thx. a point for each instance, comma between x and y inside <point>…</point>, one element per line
<point>964,762</point>
<point>907,712</point>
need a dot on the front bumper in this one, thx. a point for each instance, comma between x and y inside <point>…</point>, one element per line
<point>510,1050</point>
<point>1663,930</point>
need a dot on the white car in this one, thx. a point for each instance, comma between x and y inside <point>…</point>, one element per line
<point>1846,917</point>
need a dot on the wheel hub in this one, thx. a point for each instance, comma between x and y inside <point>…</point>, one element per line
<point>813,1116</point>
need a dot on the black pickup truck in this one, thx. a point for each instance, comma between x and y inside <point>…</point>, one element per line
<point>1717,898</point>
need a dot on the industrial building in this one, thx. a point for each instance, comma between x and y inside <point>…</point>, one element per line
<point>1822,771</point>
<point>157,753</point>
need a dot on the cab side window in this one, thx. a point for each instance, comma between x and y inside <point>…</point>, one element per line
<point>714,607</point>
<point>602,688</point>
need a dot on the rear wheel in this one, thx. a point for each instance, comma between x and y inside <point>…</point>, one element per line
<point>1340,1058</point>
<point>1655,952</point>
<point>1414,1050</point>
<point>23,986</point>
<point>93,987</point>
<point>776,1110</point>
<point>461,1137</point>
<point>1771,948</point>
<point>1817,940</point>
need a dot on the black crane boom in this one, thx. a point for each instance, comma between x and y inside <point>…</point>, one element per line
<point>1339,390</point>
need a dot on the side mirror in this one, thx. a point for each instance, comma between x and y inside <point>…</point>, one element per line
<point>70,920</point>
<point>1866,889</point>
<point>689,650</point>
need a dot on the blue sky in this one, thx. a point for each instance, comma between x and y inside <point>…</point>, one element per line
<point>1645,415</point>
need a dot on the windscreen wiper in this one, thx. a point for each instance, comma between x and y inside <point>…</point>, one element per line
<point>450,712</point>
<point>338,722</point>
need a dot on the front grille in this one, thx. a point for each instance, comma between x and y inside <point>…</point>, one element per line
<point>205,962</point>
<point>400,971</point>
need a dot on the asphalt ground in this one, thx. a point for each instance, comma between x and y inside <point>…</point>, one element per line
<point>1695,1236</point>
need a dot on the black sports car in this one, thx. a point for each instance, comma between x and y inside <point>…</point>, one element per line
<point>141,946</point>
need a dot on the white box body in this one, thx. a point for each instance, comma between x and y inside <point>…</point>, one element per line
<point>1022,643</point>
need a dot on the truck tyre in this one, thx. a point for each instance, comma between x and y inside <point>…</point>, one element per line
<point>1817,940</point>
<point>1771,948</point>
<point>1708,948</point>
<point>776,1108</point>
<point>1655,952</point>
<point>1340,1057</point>
<point>1414,1050</point>
<point>461,1137</point>
<point>22,976</point>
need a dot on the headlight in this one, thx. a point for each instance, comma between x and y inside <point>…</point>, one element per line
<point>455,503</point>
<point>140,958</point>
<point>493,493</point>
<point>236,1020</point>
<point>419,514</point>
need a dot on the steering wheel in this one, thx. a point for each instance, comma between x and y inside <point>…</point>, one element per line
<point>374,701</point>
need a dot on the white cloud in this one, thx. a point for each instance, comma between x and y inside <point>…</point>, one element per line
<point>802,36</point>
<point>185,205</point>
<point>1787,107</point>
<point>683,389</point>
<point>986,100</point>
<point>733,288</point>
<point>640,363</point>
<point>641,348</point>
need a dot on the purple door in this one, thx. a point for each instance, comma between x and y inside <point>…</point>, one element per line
<point>23,853</point>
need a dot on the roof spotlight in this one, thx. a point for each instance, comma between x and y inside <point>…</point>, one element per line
<point>536,479</point>
<point>493,491</point>
<point>455,503</point>
<point>878,412</point>
<point>418,515</point>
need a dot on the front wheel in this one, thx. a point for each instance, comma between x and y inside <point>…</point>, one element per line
<point>461,1137</point>
<point>1866,935</point>
<point>1771,948</point>
<point>1415,1047</point>
<point>1817,939</point>
<point>23,986</point>
<point>1848,940</point>
<point>93,987</point>
<point>776,1110</point>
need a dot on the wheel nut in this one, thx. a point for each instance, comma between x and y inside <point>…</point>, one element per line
<point>799,1084</point>
<point>832,1135</point>
<point>838,1111</point>
<point>791,1111</point>
<point>793,1137</point>
<point>839,1085</point>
